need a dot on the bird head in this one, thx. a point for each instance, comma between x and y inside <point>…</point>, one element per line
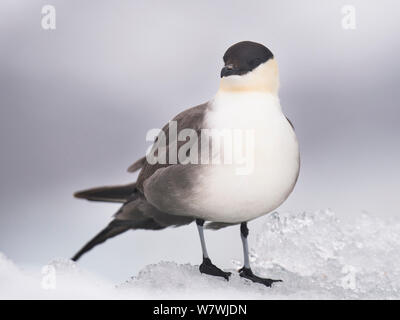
<point>249,66</point>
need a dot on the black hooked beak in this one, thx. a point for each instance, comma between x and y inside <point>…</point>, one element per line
<point>228,70</point>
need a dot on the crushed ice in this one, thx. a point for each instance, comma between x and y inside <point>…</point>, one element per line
<point>317,256</point>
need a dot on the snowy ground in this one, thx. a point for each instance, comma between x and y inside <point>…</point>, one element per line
<point>316,255</point>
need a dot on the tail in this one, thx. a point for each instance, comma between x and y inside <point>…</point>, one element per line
<point>114,228</point>
<point>108,194</point>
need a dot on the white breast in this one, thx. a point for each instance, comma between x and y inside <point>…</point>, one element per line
<point>226,196</point>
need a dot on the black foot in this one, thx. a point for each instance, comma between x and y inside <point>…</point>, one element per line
<point>208,268</point>
<point>248,274</point>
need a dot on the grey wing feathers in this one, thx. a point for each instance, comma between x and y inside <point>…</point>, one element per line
<point>218,225</point>
<point>139,211</point>
<point>137,165</point>
<point>136,212</point>
<point>189,119</point>
<point>290,122</point>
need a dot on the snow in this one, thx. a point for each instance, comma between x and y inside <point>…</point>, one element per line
<point>317,256</point>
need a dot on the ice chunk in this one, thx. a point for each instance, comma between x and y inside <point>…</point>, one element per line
<point>317,251</point>
<point>317,256</point>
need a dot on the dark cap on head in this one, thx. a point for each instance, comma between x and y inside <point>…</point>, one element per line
<point>243,57</point>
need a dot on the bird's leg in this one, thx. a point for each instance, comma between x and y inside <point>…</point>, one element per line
<point>207,267</point>
<point>246,271</point>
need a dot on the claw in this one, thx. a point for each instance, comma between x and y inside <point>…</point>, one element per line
<point>208,268</point>
<point>247,273</point>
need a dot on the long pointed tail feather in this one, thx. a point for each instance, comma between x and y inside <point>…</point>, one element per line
<point>114,228</point>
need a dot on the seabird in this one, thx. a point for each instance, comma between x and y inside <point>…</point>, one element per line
<point>214,194</point>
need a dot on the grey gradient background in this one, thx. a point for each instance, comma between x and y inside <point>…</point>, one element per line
<point>76,103</point>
